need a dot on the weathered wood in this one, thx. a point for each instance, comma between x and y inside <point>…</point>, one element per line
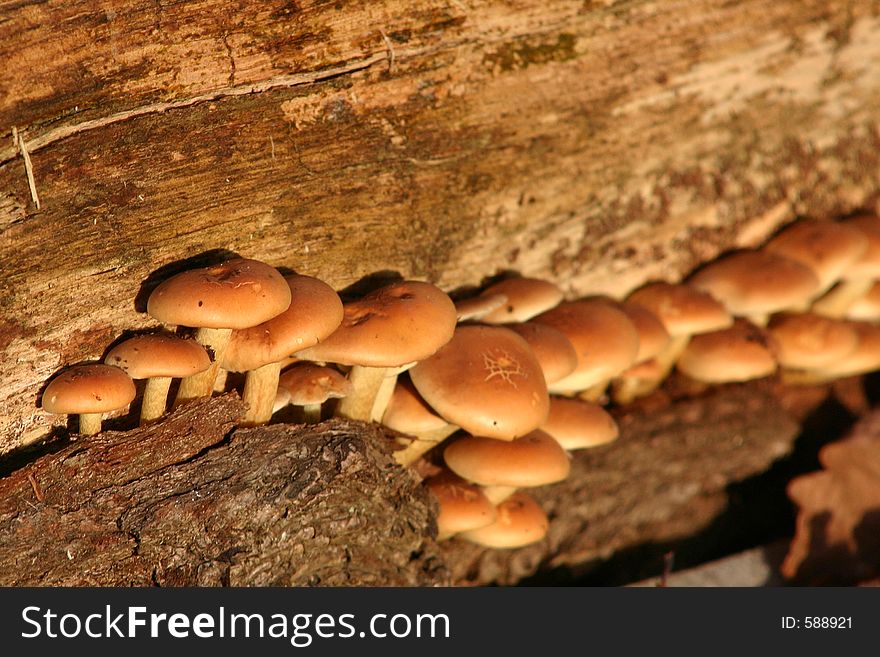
<point>595,143</point>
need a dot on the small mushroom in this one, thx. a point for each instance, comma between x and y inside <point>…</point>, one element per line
<point>520,521</point>
<point>308,386</point>
<point>475,308</point>
<point>88,391</point>
<point>859,276</point>
<point>577,424</point>
<point>463,506</point>
<point>739,353</point>
<point>526,297</point>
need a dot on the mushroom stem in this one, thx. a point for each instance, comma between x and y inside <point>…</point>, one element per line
<point>791,377</point>
<point>202,384</point>
<point>497,494</point>
<point>595,392</point>
<point>666,360</point>
<point>383,396</point>
<point>835,303</point>
<point>89,423</point>
<point>260,386</point>
<point>626,390</point>
<point>311,413</point>
<point>422,444</point>
<point>155,398</point>
<point>359,404</point>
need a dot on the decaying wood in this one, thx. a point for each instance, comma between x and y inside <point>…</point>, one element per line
<point>598,144</point>
<point>193,501</point>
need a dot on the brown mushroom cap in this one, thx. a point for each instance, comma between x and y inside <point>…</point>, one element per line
<point>236,294</point>
<point>475,308</point>
<point>683,310</point>
<point>395,325</point>
<point>868,265</point>
<point>739,353</point>
<point>653,336</point>
<point>408,413</point>
<point>309,384</point>
<point>463,506</point>
<point>90,388</point>
<point>828,248</point>
<point>485,380</point>
<point>867,307</point>
<point>314,312</point>
<point>865,358</point>
<point>158,355</point>
<point>520,521</point>
<point>554,351</point>
<point>807,341</point>
<point>757,282</point>
<point>576,424</point>
<point>604,338</point>
<point>526,297</point>
<point>533,460</point>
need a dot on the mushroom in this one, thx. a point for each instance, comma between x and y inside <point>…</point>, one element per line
<point>520,521</point>
<point>463,506</point>
<point>409,414</point>
<point>381,334</point>
<point>859,275</point>
<point>158,358</point>
<point>867,307</point>
<point>475,308</point>
<point>808,342</point>
<point>89,391</point>
<point>577,424</point>
<point>314,312</point>
<point>308,386</point>
<point>236,294</point>
<point>554,351</point>
<point>865,358</point>
<point>485,380</point>
<point>526,297</point>
<point>739,353</point>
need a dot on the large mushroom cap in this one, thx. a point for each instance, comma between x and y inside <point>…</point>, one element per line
<point>520,521</point>
<point>533,460</point>
<point>315,311</point>
<point>828,248</point>
<point>308,384</point>
<point>526,297</point>
<point>90,388</point>
<point>683,310</point>
<point>463,506</point>
<point>236,294</point>
<point>605,339</point>
<point>554,351</point>
<point>392,326</point>
<point>576,424</point>
<point>807,341</point>
<point>485,380</point>
<point>739,353</point>
<point>757,282</point>
<point>157,355</point>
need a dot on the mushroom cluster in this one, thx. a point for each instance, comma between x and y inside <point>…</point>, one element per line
<point>516,373</point>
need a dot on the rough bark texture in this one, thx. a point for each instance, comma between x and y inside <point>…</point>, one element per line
<point>190,501</point>
<point>595,143</point>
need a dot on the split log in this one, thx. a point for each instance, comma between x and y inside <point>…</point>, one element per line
<point>597,144</point>
<point>194,501</point>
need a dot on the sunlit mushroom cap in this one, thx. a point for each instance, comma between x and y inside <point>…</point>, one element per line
<point>315,311</point>
<point>807,341</point>
<point>309,384</point>
<point>739,353</point>
<point>683,310</point>
<point>395,325</point>
<point>757,282</point>
<point>554,351</point>
<point>576,424</point>
<point>533,460</point>
<point>236,294</point>
<point>520,521</point>
<point>93,388</point>
<point>485,380</point>
<point>158,355</point>
<point>526,297</point>
<point>828,248</point>
<point>463,505</point>
<point>865,358</point>
<point>605,339</point>
<point>408,413</point>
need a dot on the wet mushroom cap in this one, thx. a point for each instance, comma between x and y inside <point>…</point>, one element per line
<point>757,282</point>
<point>90,388</point>
<point>395,325</point>
<point>463,505</point>
<point>682,309</point>
<point>533,460</point>
<point>526,297</point>
<point>828,248</point>
<point>577,424</point>
<point>408,413</point>
<point>807,341</point>
<point>314,312</point>
<point>605,339</point>
<point>309,384</point>
<point>235,294</point>
<point>739,353</point>
<point>520,521</point>
<point>554,351</point>
<point>158,355</point>
<point>485,380</point>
